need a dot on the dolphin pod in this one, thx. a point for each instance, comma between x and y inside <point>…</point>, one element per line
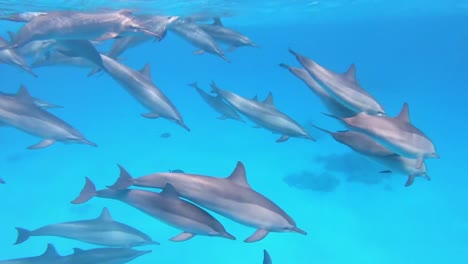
<point>103,231</point>
<point>22,113</point>
<point>231,197</point>
<point>397,134</point>
<point>80,256</point>
<point>165,206</point>
<point>264,114</point>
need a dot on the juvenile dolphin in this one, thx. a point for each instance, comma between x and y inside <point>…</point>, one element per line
<point>39,102</point>
<point>165,206</point>
<point>217,103</point>
<point>330,103</point>
<point>368,147</point>
<point>231,197</point>
<point>265,114</point>
<point>48,257</point>
<point>10,56</point>
<point>266,257</point>
<point>22,113</point>
<point>78,25</point>
<point>197,37</point>
<point>103,231</point>
<point>102,256</point>
<point>397,134</point>
<point>142,88</point>
<point>78,48</point>
<point>344,88</point>
<point>220,33</point>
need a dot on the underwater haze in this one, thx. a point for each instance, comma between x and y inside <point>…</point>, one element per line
<point>404,51</point>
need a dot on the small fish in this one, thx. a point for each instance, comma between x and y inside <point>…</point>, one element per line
<point>166,135</point>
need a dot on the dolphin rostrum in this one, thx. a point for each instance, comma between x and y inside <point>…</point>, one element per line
<point>264,114</point>
<point>165,206</point>
<point>103,231</point>
<point>231,197</point>
<point>10,56</point>
<point>368,147</point>
<point>330,103</point>
<point>344,88</point>
<point>197,37</point>
<point>22,113</point>
<point>397,134</point>
<point>78,25</point>
<point>220,33</point>
<point>48,257</point>
<point>218,104</point>
<point>142,88</point>
<point>266,257</point>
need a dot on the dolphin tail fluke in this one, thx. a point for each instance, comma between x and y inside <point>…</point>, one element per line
<point>23,235</point>
<point>257,236</point>
<point>123,182</point>
<point>88,192</point>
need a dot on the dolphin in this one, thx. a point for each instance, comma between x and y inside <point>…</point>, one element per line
<point>231,197</point>
<point>48,257</point>
<point>344,88</point>
<point>266,257</point>
<point>265,114</point>
<point>197,37</point>
<point>39,102</point>
<point>2,181</point>
<point>23,17</point>
<point>397,134</point>
<point>217,103</point>
<point>103,231</point>
<point>10,56</point>
<point>78,25</point>
<point>371,149</point>
<point>78,48</point>
<point>21,112</point>
<point>142,88</point>
<point>330,103</point>
<point>102,256</point>
<point>55,58</point>
<point>165,206</point>
<point>222,34</point>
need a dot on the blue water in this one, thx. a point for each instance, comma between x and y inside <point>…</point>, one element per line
<point>400,57</point>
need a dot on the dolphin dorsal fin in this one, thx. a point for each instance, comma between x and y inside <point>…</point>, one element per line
<point>146,71</point>
<point>77,250</point>
<point>217,22</point>
<point>169,191</point>
<point>255,98</point>
<point>269,100</point>
<point>24,96</point>
<point>50,251</point>
<point>238,176</point>
<point>105,215</point>
<point>350,74</point>
<point>404,114</point>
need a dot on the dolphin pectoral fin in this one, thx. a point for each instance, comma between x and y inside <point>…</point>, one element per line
<point>182,237</point>
<point>199,52</point>
<point>151,115</point>
<point>410,180</point>
<point>223,117</point>
<point>427,177</point>
<point>43,144</point>
<point>419,162</point>
<point>232,48</point>
<point>283,138</point>
<point>257,236</point>
<point>108,35</point>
